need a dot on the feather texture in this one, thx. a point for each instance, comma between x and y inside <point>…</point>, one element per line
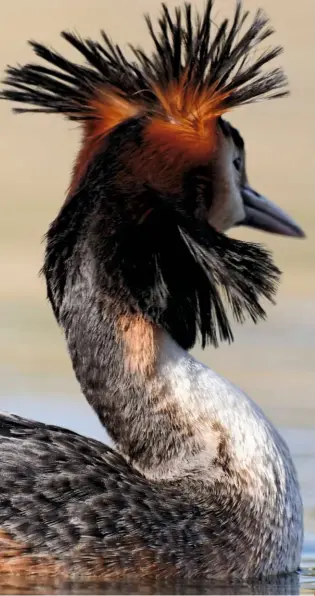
<point>196,71</point>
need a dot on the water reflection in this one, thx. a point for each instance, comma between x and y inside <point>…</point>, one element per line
<point>281,585</point>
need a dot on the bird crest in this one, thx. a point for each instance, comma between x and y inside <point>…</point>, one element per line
<point>196,72</point>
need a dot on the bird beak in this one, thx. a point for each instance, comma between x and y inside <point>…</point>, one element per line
<point>264,215</point>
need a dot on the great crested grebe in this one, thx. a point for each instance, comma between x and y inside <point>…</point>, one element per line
<point>137,267</point>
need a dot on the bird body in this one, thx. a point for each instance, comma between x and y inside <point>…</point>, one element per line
<point>137,267</point>
<point>214,497</point>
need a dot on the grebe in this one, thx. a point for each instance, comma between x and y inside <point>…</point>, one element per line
<point>137,267</point>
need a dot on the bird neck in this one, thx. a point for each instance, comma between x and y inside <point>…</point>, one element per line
<point>132,374</point>
<point>168,414</point>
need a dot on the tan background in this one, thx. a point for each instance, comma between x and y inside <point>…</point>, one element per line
<point>273,362</point>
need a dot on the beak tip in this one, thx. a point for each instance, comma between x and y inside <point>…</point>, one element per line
<point>297,232</point>
<point>266,216</point>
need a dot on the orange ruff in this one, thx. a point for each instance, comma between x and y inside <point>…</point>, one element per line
<point>110,109</point>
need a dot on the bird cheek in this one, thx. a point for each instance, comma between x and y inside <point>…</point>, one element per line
<point>227,210</point>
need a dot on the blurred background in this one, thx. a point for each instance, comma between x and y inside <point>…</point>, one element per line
<point>273,362</point>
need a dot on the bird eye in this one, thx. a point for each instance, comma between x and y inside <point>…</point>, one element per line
<point>237,163</point>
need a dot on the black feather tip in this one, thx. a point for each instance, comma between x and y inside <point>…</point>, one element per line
<point>191,276</point>
<point>220,59</point>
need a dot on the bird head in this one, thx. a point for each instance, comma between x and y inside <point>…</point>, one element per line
<point>238,203</point>
<point>161,174</point>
